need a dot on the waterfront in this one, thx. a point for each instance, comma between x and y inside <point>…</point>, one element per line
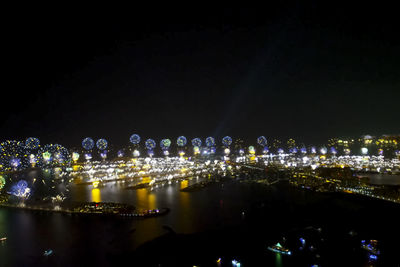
<point>227,218</point>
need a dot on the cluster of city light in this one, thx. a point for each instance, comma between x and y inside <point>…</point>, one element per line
<point>335,147</point>
<point>132,165</point>
<point>150,170</point>
<point>363,190</point>
<point>17,155</point>
<point>358,163</point>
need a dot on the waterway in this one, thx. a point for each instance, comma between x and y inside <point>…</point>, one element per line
<point>233,219</point>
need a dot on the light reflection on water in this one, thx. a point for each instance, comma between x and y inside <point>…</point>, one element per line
<point>184,184</point>
<point>278,260</point>
<point>96,197</point>
<point>145,199</point>
<point>40,231</point>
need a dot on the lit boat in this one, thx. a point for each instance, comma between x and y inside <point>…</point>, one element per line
<point>48,252</point>
<point>371,246</point>
<point>279,249</point>
<point>373,257</point>
<point>3,239</point>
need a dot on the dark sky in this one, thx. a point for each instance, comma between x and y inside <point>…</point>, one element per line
<point>285,70</point>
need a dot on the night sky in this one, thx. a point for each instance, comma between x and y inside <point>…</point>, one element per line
<point>305,71</point>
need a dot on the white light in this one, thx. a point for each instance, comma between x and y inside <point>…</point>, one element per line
<point>136,153</point>
<point>313,166</point>
<point>227,151</point>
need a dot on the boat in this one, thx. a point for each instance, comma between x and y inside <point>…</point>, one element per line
<point>48,252</point>
<point>279,249</point>
<point>3,239</point>
<point>371,246</point>
<point>373,257</point>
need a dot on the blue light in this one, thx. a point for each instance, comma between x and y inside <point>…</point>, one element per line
<point>235,263</point>
<point>210,141</point>
<point>181,141</point>
<point>227,141</point>
<point>20,189</point>
<point>373,257</point>
<point>15,162</point>
<point>165,144</point>
<point>88,143</point>
<point>262,141</point>
<point>134,139</point>
<point>150,144</point>
<point>196,142</point>
<point>102,144</point>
